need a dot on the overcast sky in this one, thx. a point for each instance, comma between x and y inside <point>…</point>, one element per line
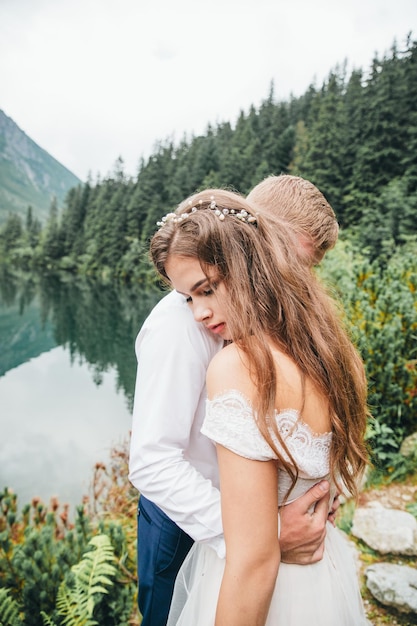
<point>92,80</point>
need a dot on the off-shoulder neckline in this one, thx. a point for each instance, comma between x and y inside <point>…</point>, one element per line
<point>295,413</point>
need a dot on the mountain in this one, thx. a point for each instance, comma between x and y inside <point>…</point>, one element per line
<point>28,174</point>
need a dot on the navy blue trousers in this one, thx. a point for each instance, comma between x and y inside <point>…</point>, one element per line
<point>162,547</point>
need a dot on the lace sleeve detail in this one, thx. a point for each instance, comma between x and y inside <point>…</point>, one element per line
<point>230,422</point>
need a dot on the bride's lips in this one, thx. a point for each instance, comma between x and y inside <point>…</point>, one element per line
<point>216,328</point>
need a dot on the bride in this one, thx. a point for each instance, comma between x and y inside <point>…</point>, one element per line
<point>286,408</point>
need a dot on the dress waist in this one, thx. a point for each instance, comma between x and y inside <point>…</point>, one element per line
<point>301,486</point>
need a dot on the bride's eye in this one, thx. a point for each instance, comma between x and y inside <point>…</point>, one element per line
<point>210,289</point>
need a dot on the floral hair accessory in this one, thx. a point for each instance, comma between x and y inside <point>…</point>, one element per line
<point>242,215</point>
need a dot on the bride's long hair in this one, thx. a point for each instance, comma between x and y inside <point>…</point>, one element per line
<point>272,295</point>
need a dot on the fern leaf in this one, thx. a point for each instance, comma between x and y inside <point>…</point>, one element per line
<point>46,619</point>
<point>9,610</point>
<point>98,589</point>
<point>77,599</point>
<point>96,569</point>
<point>71,606</point>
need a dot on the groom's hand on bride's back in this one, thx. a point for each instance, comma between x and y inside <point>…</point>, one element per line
<point>303,525</point>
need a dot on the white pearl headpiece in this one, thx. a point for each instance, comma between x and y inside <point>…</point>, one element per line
<point>242,215</point>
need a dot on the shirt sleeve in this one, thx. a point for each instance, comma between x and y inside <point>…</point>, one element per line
<point>173,355</point>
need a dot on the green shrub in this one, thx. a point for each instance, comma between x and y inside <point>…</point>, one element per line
<point>46,563</point>
<point>380,304</point>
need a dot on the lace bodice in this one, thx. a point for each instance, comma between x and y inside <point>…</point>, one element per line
<point>230,422</point>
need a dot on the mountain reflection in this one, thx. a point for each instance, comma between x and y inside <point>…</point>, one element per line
<point>97,322</point>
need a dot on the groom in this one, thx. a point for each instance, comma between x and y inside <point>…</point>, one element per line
<point>173,466</point>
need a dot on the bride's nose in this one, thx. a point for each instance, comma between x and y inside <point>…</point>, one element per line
<point>201,313</point>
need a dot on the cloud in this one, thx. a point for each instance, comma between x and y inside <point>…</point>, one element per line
<point>91,80</point>
<point>165,51</point>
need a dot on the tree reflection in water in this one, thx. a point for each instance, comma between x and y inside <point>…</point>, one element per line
<point>97,322</point>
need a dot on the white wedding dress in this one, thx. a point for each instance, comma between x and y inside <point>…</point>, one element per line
<point>322,594</point>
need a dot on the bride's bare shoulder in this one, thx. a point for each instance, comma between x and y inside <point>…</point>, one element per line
<point>227,370</point>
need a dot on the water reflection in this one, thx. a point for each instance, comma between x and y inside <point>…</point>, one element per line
<point>95,322</point>
<point>67,372</point>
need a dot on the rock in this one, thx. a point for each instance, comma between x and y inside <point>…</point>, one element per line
<point>409,446</point>
<point>393,585</point>
<point>386,530</point>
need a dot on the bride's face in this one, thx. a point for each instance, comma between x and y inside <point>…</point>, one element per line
<point>201,291</point>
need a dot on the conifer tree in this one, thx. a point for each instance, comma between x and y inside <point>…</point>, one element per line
<point>409,160</point>
<point>324,161</point>
<point>52,244</point>
<point>11,233</point>
<point>380,153</point>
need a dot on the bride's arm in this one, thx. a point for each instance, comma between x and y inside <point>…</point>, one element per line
<point>249,511</point>
<point>249,499</point>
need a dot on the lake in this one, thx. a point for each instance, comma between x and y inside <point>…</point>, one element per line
<point>67,375</point>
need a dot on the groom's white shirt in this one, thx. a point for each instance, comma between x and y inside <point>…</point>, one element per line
<point>171,462</point>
